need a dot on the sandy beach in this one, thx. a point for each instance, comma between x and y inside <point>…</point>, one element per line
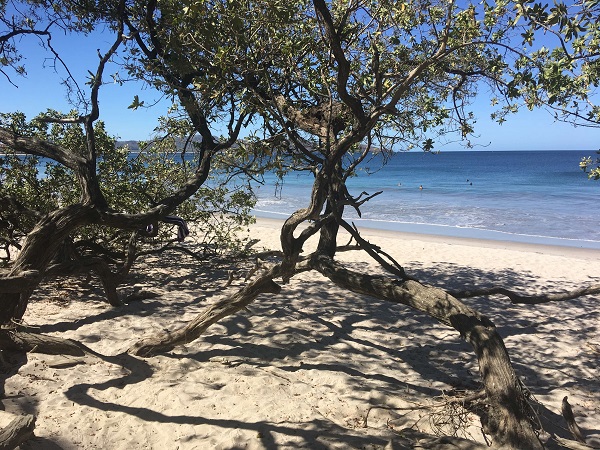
<point>313,367</point>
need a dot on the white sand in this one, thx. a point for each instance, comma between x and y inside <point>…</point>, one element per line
<point>301,369</point>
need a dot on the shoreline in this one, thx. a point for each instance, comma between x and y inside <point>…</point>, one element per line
<point>547,249</point>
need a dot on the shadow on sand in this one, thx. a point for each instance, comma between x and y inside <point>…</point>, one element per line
<point>309,318</point>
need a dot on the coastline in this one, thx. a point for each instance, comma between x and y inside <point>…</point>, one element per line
<point>586,253</point>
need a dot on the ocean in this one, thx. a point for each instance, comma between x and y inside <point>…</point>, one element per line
<point>539,197</point>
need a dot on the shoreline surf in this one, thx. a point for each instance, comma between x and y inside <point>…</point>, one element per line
<point>454,232</point>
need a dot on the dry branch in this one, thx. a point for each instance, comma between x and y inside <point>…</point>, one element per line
<point>18,431</point>
<point>516,298</point>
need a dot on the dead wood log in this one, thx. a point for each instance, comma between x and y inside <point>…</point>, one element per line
<point>567,413</point>
<point>23,341</point>
<point>509,415</point>
<point>516,298</point>
<point>19,430</point>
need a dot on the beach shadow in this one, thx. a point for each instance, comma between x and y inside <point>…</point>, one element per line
<point>13,361</point>
<point>148,277</point>
<point>289,354</point>
<point>524,326</point>
<point>286,331</point>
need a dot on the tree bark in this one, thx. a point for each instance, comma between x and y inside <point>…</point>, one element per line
<point>18,431</point>
<point>38,251</point>
<point>516,298</point>
<point>508,418</point>
<point>23,341</point>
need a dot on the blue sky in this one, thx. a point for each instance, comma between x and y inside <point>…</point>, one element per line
<point>42,89</point>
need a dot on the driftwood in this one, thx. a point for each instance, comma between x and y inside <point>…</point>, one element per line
<point>18,431</point>
<point>24,341</point>
<point>567,413</point>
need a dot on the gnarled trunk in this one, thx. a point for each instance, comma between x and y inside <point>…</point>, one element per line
<point>39,249</point>
<point>508,419</point>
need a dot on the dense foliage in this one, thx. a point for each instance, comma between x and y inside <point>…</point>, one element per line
<point>32,187</point>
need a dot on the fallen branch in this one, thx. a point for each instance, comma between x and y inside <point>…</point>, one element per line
<point>516,298</point>
<point>19,430</point>
<point>40,343</point>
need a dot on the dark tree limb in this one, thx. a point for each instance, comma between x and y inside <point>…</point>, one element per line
<point>19,430</point>
<point>509,416</point>
<point>23,341</point>
<point>525,299</point>
<point>14,284</point>
<point>375,252</point>
<point>39,147</point>
<point>167,341</point>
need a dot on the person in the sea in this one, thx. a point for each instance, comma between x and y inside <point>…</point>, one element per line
<point>421,187</point>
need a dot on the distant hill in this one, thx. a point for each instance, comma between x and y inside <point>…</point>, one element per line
<point>134,146</point>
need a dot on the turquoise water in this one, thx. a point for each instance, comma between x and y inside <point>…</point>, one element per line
<point>534,197</point>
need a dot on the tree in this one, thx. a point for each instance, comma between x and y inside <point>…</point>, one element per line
<point>389,74</point>
<point>97,206</point>
<point>130,183</point>
<point>326,83</point>
<point>591,166</point>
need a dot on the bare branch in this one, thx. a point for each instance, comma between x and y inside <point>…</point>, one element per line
<point>525,299</point>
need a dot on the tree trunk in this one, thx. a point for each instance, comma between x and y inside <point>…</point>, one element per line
<point>39,249</point>
<point>328,238</point>
<point>508,418</point>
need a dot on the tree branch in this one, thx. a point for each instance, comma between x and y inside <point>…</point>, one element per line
<point>525,299</point>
